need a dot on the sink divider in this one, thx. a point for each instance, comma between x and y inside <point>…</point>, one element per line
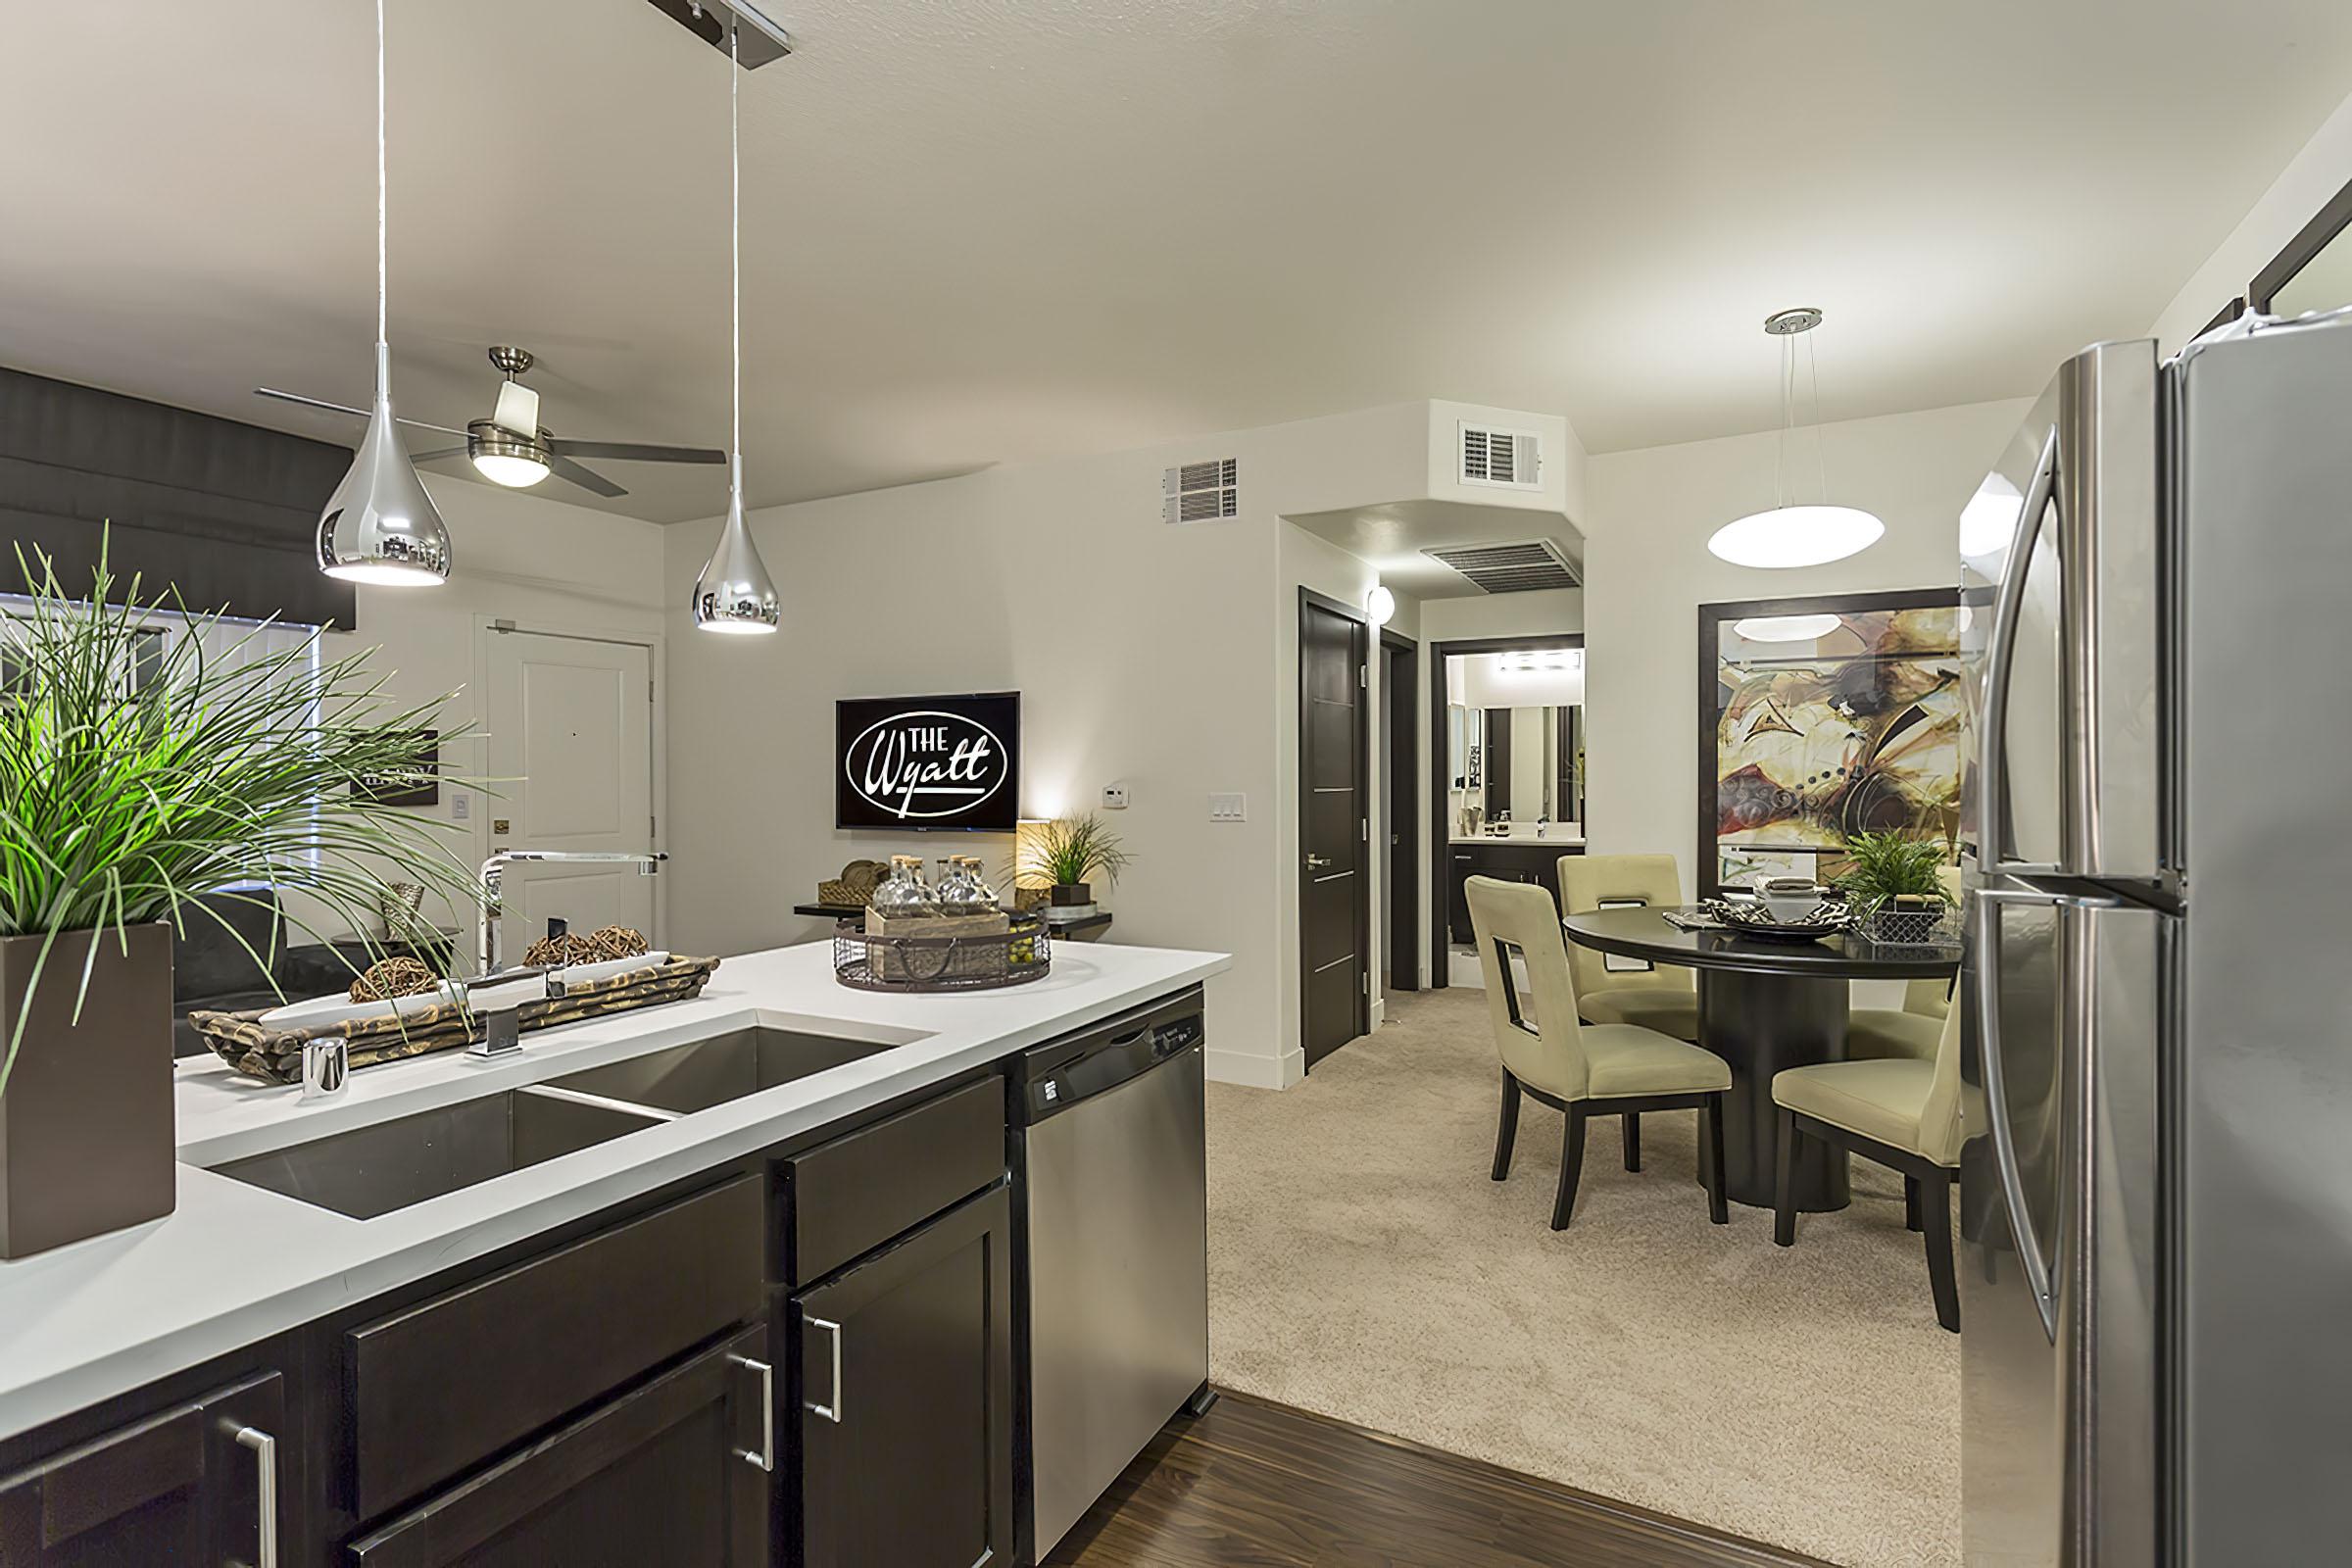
<point>580,1097</point>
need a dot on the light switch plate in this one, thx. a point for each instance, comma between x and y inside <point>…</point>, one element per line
<point>461,807</point>
<point>1228,808</point>
<point>1114,797</point>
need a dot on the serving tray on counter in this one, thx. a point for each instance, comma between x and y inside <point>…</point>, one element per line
<point>275,1055</point>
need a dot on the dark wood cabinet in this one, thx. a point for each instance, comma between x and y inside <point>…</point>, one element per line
<point>674,1471</point>
<point>1537,862</point>
<point>902,1374</point>
<point>204,1481</point>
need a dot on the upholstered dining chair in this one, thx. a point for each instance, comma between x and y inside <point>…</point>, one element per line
<point>1664,999</point>
<point>1913,1029</point>
<point>1582,1069</point>
<point>1901,1112</point>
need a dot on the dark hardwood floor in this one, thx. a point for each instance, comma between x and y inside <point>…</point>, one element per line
<point>1258,1484</point>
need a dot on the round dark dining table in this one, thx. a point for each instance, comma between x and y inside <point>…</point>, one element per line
<point>1763,1007</point>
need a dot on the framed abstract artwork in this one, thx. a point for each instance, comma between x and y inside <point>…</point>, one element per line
<point>1821,719</point>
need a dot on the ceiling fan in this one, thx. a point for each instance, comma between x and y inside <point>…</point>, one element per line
<point>513,447</point>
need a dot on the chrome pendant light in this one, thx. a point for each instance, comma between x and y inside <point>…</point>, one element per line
<point>380,526</point>
<point>734,593</point>
<point>1788,535</point>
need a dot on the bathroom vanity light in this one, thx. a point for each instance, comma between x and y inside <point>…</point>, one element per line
<point>1789,535</point>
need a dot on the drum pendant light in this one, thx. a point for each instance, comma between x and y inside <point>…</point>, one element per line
<point>734,593</point>
<point>380,526</point>
<point>1789,534</point>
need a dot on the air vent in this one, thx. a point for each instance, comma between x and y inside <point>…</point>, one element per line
<point>1522,568</point>
<point>1508,460</point>
<point>1202,492</point>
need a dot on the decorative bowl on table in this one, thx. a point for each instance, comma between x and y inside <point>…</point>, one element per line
<point>1782,920</point>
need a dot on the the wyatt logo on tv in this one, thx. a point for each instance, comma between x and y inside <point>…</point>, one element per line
<point>926,764</point>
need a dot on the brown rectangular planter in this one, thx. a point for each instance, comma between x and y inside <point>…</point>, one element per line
<point>85,1119</point>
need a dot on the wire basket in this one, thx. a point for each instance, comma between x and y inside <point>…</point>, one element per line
<point>1935,927</point>
<point>982,961</point>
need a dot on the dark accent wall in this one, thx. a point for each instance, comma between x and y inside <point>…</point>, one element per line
<point>228,512</point>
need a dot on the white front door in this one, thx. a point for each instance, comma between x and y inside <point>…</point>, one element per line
<point>571,758</point>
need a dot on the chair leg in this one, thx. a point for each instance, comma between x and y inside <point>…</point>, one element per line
<point>1911,1213</point>
<point>1784,1182</point>
<point>1631,1121</point>
<point>1712,1157</point>
<point>1506,1131</point>
<point>1572,1165</point>
<point>1943,1276</point>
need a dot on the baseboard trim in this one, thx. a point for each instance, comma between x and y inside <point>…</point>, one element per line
<point>1252,1071</point>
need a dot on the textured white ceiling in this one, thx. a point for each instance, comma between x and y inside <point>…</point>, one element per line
<point>988,231</point>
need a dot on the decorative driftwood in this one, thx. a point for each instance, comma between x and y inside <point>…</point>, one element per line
<point>275,1054</point>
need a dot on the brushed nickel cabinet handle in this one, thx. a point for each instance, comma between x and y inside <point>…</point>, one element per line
<point>264,1458</point>
<point>832,1331</point>
<point>765,1459</point>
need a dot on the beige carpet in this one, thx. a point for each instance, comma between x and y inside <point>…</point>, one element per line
<point>1362,1264</point>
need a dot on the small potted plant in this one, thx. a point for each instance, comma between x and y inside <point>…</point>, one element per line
<point>1068,854</point>
<point>141,772</point>
<point>1896,885</point>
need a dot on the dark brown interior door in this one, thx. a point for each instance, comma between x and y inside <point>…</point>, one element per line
<point>1334,911</point>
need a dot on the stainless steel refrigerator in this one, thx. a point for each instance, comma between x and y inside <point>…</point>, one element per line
<point>2156,1187</point>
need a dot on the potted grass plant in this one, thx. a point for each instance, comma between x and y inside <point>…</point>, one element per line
<point>1068,853</point>
<point>1895,883</point>
<point>150,758</point>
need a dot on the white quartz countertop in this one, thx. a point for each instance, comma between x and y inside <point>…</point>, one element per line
<point>236,1263</point>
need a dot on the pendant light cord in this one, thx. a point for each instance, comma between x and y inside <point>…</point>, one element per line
<point>734,241</point>
<point>383,355</point>
<point>1821,461</point>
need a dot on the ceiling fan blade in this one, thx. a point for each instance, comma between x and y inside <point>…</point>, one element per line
<point>586,478</point>
<point>635,452</point>
<point>439,453</point>
<point>345,408</point>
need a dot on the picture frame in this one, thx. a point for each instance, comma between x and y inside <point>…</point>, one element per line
<point>1858,729</point>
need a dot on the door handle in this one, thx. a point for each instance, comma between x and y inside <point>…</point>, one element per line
<point>831,1413</point>
<point>265,1460</point>
<point>1318,862</point>
<point>2000,661</point>
<point>2039,1267</point>
<point>765,1459</point>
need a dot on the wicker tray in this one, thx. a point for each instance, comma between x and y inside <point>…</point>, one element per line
<point>1015,952</point>
<point>275,1054</point>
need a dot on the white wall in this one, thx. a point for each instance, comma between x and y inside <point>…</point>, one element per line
<point>1161,657</point>
<point>1648,571</point>
<point>2314,174</point>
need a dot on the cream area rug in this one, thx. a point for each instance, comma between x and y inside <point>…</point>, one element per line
<point>1362,1264</point>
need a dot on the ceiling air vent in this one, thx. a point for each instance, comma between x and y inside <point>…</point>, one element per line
<point>1200,492</point>
<point>1508,460</point>
<point>1510,568</point>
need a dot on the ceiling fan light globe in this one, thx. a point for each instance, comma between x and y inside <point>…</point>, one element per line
<point>514,471</point>
<point>1787,537</point>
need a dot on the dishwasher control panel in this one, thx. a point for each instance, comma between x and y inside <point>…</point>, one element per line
<point>1054,1077</point>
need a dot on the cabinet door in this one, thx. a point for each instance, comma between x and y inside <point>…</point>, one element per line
<point>904,1372</point>
<point>673,1472</point>
<point>188,1485</point>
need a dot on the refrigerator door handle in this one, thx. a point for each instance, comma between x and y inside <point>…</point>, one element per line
<point>2041,1274</point>
<point>2000,661</point>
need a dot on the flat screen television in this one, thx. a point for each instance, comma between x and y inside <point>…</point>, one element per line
<point>927,763</point>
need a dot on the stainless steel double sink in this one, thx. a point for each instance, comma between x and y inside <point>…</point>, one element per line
<point>389,1166</point>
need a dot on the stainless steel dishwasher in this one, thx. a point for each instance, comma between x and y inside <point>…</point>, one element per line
<point>1114,1308</point>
